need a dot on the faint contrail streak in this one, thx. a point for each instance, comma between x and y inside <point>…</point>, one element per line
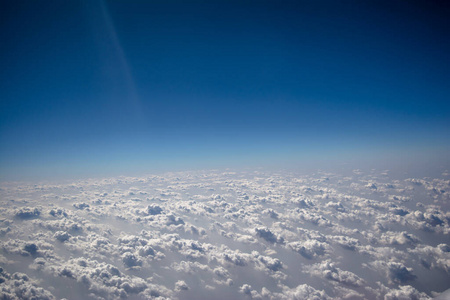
<point>122,62</point>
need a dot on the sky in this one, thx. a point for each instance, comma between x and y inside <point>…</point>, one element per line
<point>114,87</point>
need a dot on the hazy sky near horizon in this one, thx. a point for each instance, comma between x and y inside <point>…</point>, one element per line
<point>91,87</point>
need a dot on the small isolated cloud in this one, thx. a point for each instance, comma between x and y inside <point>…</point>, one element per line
<point>180,285</point>
<point>346,242</point>
<point>400,273</point>
<point>309,248</point>
<point>61,236</point>
<point>328,270</point>
<point>131,260</point>
<point>81,205</point>
<point>20,286</point>
<point>404,292</point>
<point>27,213</point>
<point>154,209</point>
<point>434,257</point>
<point>246,289</point>
<point>301,292</point>
<point>396,272</point>
<point>25,248</point>
<point>399,238</point>
<point>267,235</point>
<point>173,220</point>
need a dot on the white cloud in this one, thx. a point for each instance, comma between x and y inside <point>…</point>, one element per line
<point>26,213</point>
<point>20,286</point>
<point>397,272</point>
<point>405,292</point>
<point>301,292</point>
<point>328,270</point>
<point>245,235</point>
<point>180,285</point>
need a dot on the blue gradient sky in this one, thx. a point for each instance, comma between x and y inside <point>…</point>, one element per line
<point>111,87</point>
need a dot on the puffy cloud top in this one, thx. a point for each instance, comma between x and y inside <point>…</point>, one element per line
<point>232,235</point>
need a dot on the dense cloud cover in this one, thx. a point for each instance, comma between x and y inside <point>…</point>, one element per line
<point>227,235</point>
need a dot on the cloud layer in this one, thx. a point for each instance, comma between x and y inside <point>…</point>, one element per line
<point>230,235</point>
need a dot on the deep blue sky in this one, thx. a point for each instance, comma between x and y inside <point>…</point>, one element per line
<point>98,87</point>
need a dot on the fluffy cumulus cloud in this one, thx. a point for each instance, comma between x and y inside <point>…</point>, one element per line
<point>20,286</point>
<point>330,271</point>
<point>27,213</point>
<point>404,292</point>
<point>397,272</point>
<point>302,291</point>
<point>227,235</point>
